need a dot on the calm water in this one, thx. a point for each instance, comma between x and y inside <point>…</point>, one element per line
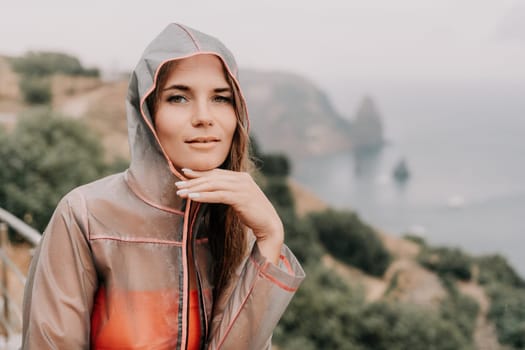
<point>465,147</point>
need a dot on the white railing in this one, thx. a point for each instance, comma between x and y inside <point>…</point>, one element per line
<point>10,306</point>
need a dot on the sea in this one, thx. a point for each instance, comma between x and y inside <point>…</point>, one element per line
<point>464,145</point>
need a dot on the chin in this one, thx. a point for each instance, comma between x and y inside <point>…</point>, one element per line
<point>203,168</point>
<point>203,165</point>
<point>199,162</point>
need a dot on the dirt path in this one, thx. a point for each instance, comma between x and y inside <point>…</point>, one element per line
<point>374,287</point>
<point>485,336</point>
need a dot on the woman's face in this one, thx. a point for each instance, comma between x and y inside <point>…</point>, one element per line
<point>194,117</point>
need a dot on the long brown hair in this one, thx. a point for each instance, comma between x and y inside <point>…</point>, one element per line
<point>228,240</point>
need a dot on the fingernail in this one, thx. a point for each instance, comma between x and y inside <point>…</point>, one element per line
<point>181,192</point>
<point>186,170</point>
<point>180,183</point>
<point>194,195</point>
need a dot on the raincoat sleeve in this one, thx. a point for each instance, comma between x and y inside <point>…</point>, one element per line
<point>61,283</point>
<point>246,316</point>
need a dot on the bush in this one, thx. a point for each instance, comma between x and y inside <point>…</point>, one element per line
<point>322,315</point>
<point>389,326</point>
<point>447,261</point>
<point>42,64</point>
<point>275,165</point>
<point>347,238</point>
<point>42,159</point>
<point>279,193</point>
<point>36,90</point>
<point>270,164</point>
<point>461,311</point>
<point>507,311</point>
<point>496,269</point>
<point>327,313</point>
<point>302,239</point>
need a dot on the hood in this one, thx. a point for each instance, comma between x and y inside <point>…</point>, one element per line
<point>151,174</point>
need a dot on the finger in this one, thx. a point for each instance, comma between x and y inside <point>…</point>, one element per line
<point>191,174</point>
<point>211,197</point>
<point>211,185</point>
<point>198,182</point>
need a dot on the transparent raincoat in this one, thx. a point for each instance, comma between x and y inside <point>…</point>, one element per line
<point>111,271</point>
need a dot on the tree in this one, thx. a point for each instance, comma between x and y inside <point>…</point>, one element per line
<point>44,157</point>
<point>347,238</point>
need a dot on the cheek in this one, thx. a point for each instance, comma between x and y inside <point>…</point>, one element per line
<point>166,127</point>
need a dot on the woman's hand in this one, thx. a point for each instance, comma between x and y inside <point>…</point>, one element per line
<point>240,191</point>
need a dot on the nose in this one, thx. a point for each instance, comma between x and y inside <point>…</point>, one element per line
<point>202,115</point>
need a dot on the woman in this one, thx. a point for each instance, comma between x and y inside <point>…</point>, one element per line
<point>181,251</point>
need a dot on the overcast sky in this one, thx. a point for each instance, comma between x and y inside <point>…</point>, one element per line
<point>330,39</point>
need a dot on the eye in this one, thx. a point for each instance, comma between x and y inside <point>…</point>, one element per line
<point>177,99</point>
<point>222,99</point>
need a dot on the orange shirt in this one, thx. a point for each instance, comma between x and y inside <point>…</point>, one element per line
<point>114,325</point>
<point>194,322</point>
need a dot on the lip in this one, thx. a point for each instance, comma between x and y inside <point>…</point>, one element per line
<point>203,143</point>
<point>202,140</point>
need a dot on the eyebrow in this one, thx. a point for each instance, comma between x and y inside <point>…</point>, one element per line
<point>187,88</point>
